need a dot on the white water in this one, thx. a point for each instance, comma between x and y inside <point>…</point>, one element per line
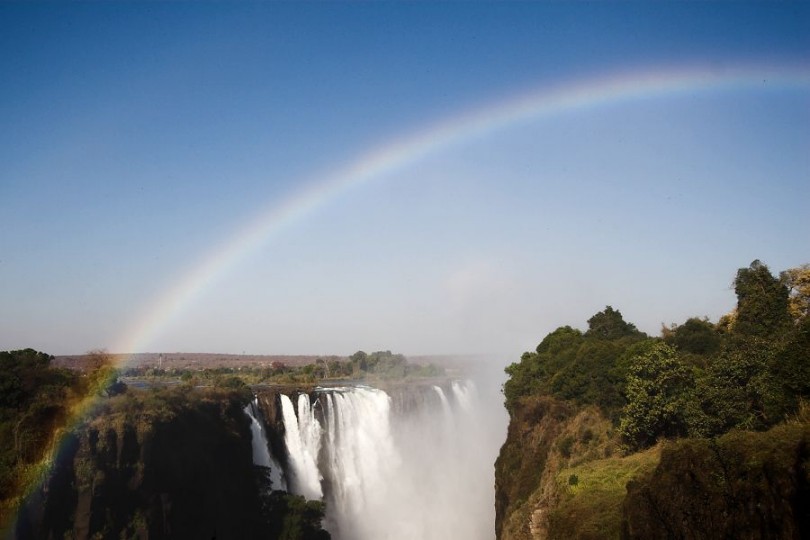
<point>424,474</point>
<point>261,450</point>
<point>302,438</point>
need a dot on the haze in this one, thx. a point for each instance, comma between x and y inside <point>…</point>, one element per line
<point>141,140</point>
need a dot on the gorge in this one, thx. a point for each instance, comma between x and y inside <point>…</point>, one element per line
<point>703,432</point>
<point>407,459</point>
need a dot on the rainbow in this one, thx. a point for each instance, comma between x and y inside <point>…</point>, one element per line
<point>400,153</point>
<point>388,158</point>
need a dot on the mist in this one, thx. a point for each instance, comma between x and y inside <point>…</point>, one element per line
<point>409,460</point>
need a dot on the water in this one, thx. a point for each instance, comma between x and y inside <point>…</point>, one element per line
<point>302,438</point>
<point>261,451</point>
<point>415,466</point>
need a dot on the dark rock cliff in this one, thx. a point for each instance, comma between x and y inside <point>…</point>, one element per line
<point>163,466</point>
<point>534,425</point>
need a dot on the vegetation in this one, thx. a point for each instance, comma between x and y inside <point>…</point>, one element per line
<point>708,386</point>
<point>359,366</point>
<point>165,462</point>
<point>741,485</point>
<point>697,379</point>
<point>175,410</point>
<point>592,494</point>
<point>36,400</point>
<point>586,368</point>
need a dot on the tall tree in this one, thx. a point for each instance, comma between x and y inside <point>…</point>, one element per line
<point>658,395</point>
<point>762,302</point>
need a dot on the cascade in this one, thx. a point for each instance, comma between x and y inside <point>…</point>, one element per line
<point>464,393</point>
<point>302,437</point>
<point>420,468</point>
<point>261,450</point>
<point>445,404</point>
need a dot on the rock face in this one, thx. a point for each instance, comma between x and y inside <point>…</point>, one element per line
<point>522,467</point>
<point>560,475</point>
<point>181,470</point>
<point>270,409</point>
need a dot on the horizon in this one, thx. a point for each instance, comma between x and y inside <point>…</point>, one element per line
<point>430,179</point>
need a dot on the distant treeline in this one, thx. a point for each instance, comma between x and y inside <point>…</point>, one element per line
<point>359,366</point>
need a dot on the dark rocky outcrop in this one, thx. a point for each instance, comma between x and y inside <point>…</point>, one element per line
<point>154,465</point>
<point>534,426</point>
<point>267,399</point>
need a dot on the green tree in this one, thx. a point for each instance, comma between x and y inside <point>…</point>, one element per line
<point>658,389</point>
<point>791,365</point>
<point>739,390</point>
<point>762,302</point>
<point>609,324</point>
<point>21,373</point>
<point>695,336</point>
<point>360,360</point>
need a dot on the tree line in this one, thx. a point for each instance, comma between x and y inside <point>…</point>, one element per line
<point>749,370</point>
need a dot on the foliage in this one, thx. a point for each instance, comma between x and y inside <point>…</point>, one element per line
<point>703,389</point>
<point>609,324</point>
<point>292,517</point>
<point>658,393</point>
<point>797,282</point>
<point>790,365</point>
<point>702,380</point>
<point>741,485</point>
<point>34,400</point>
<point>592,495</point>
<point>695,336</point>
<point>288,516</point>
<point>166,462</point>
<point>587,368</point>
<point>21,373</point>
<point>376,365</point>
<point>762,301</point>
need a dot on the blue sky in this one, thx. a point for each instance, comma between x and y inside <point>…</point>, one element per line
<point>140,138</point>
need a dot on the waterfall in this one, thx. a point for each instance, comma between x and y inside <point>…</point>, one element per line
<point>464,394</point>
<point>448,413</point>
<point>361,455</point>
<point>302,438</point>
<point>261,450</point>
<point>423,472</point>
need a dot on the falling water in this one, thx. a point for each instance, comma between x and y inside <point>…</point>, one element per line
<point>302,438</point>
<point>261,450</point>
<point>448,413</point>
<point>417,472</point>
<point>360,455</point>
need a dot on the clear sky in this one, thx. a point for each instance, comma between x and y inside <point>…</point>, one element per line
<point>139,141</point>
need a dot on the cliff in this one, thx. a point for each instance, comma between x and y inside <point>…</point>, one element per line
<point>702,433</point>
<point>546,485</point>
<point>561,475</point>
<point>161,464</point>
